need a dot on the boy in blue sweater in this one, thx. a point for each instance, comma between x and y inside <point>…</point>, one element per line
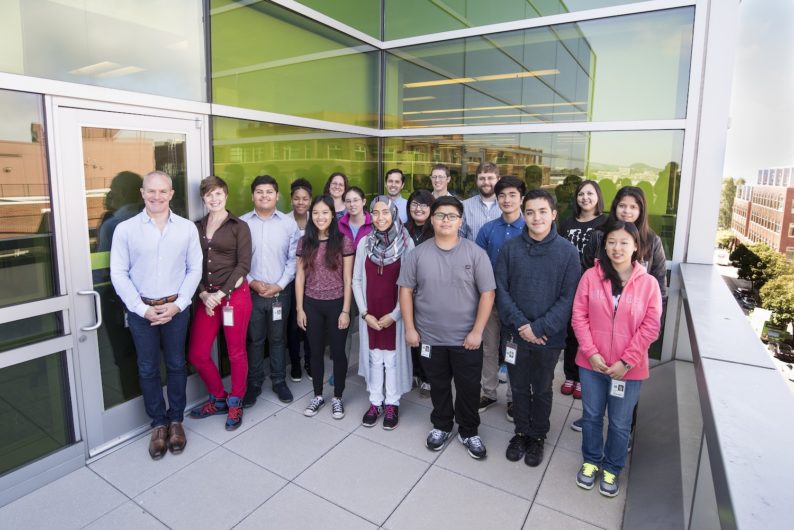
<point>536,278</point>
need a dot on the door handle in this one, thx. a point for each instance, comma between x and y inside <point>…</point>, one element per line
<point>97,307</point>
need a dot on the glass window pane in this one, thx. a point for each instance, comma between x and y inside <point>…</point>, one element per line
<point>556,161</point>
<point>244,149</point>
<point>150,46</point>
<point>267,58</point>
<point>364,15</point>
<point>623,68</point>
<point>408,18</point>
<point>35,410</point>
<point>27,250</point>
<point>30,330</point>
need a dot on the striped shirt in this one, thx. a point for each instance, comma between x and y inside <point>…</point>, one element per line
<point>476,213</point>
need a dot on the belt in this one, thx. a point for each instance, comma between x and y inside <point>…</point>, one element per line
<point>159,301</point>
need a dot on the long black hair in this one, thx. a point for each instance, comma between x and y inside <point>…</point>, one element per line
<point>424,232</point>
<point>311,239</point>
<point>646,235</point>
<point>606,264</point>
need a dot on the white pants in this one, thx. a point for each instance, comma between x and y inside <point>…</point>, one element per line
<point>378,361</point>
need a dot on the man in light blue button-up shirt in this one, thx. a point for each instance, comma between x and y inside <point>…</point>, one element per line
<point>481,208</point>
<point>155,267</point>
<point>274,236</point>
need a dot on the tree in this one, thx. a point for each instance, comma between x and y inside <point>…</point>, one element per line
<point>726,202</point>
<point>778,296</point>
<point>725,239</point>
<point>760,263</point>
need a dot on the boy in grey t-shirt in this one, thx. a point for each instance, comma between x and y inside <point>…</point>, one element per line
<point>447,290</point>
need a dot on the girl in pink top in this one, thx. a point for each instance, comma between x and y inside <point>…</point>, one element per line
<point>616,317</point>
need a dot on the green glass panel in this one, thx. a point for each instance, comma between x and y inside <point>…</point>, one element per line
<point>30,330</point>
<point>364,15</point>
<point>409,18</point>
<point>556,161</point>
<point>623,68</point>
<point>149,46</point>
<point>35,412</point>
<point>267,58</point>
<point>244,149</point>
<point>27,250</point>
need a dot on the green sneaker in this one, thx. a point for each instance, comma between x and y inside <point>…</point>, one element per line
<point>586,476</point>
<point>609,484</point>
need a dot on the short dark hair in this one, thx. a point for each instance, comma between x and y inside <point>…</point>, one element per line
<point>577,210</point>
<point>447,200</point>
<point>398,171</point>
<point>487,167</point>
<point>539,193</point>
<point>210,183</point>
<point>440,167</point>
<point>300,184</point>
<point>327,188</point>
<point>510,182</point>
<point>264,179</point>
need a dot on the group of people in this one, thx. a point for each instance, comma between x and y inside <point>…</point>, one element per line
<point>442,291</point>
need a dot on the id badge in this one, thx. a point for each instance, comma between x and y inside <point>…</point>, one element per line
<point>276,311</point>
<point>511,349</point>
<point>425,351</point>
<point>228,316</point>
<point>618,389</point>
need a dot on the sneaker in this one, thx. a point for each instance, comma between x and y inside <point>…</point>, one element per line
<point>314,406</point>
<point>235,417</point>
<point>295,373</point>
<point>485,402</point>
<point>586,476</point>
<point>577,390</point>
<point>337,409</point>
<point>212,407</point>
<point>534,455</point>
<point>509,412</point>
<point>608,487</point>
<point>391,416</point>
<point>249,400</point>
<point>474,446</point>
<point>282,391</point>
<point>502,374</point>
<point>424,390</point>
<point>436,439</point>
<point>576,425</point>
<point>567,387</point>
<point>517,447</point>
<point>371,416</point>
<point>331,380</point>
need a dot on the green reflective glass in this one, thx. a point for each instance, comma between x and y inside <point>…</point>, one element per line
<point>632,67</point>
<point>35,412</point>
<point>267,58</point>
<point>30,330</point>
<point>558,161</point>
<point>149,46</point>
<point>27,248</point>
<point>408,18</point>
<point>244,149</point>
<point>364,15</point>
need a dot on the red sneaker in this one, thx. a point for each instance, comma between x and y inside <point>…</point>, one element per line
<point>567,387</point>
<point>577,390</point>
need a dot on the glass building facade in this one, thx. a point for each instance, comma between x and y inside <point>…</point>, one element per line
<point>552,92</point>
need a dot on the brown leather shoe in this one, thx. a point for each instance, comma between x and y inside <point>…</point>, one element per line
<point>157,444</point>
<point>176,437</point>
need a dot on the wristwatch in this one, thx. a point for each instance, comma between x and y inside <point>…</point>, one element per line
<point>626,365</point>
<point>364,315</point>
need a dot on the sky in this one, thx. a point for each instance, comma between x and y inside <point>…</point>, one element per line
<point>761,133</point>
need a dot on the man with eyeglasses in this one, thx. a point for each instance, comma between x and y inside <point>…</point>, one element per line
<point>446,295</point>
<point>481,208</point>
<point>440,178</point>
<point>394,183</point>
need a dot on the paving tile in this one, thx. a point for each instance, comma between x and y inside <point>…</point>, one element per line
<point>363,477</point>
<point>355,399</point>
<point>70,502</point>
<point>286,443</point>
<point>414,397</point>
<point>132,470</point>
<point>128,516</point>
<point>410,434</point>
<point>216,491</point>
<point>443,499</point>
<point>294,507</point>
<point>495,470</point>
<point>299,390</point>
<point>214,426</point>
<point>543,517</point>
<point>560,492</point>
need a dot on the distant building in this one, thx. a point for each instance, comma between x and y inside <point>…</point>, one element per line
<point>764,212</point>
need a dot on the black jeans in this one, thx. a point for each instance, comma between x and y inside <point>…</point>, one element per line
<point>465,367</point>
<point>569,365</point>
<point>530,379</point>
<point>322,320</point>
<point>262,327</point>
<point>296,335</point>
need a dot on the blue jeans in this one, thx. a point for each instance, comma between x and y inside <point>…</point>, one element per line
<point>149,341</point>
<point>262,327</point>
<point>595,400</point>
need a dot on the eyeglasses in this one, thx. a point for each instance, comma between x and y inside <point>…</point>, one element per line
<point>419,206</point>
<point>446,217</point>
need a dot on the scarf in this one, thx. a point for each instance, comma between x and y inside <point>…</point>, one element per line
<point>384,248</point>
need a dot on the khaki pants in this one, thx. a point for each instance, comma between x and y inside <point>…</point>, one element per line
<point>490,359</point>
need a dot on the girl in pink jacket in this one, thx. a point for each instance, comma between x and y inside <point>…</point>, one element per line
<point>616,317</point>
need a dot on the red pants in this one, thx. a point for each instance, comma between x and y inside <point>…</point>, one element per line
<point>203,331</point>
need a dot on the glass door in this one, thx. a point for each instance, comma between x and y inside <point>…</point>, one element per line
<point>104,157</point>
